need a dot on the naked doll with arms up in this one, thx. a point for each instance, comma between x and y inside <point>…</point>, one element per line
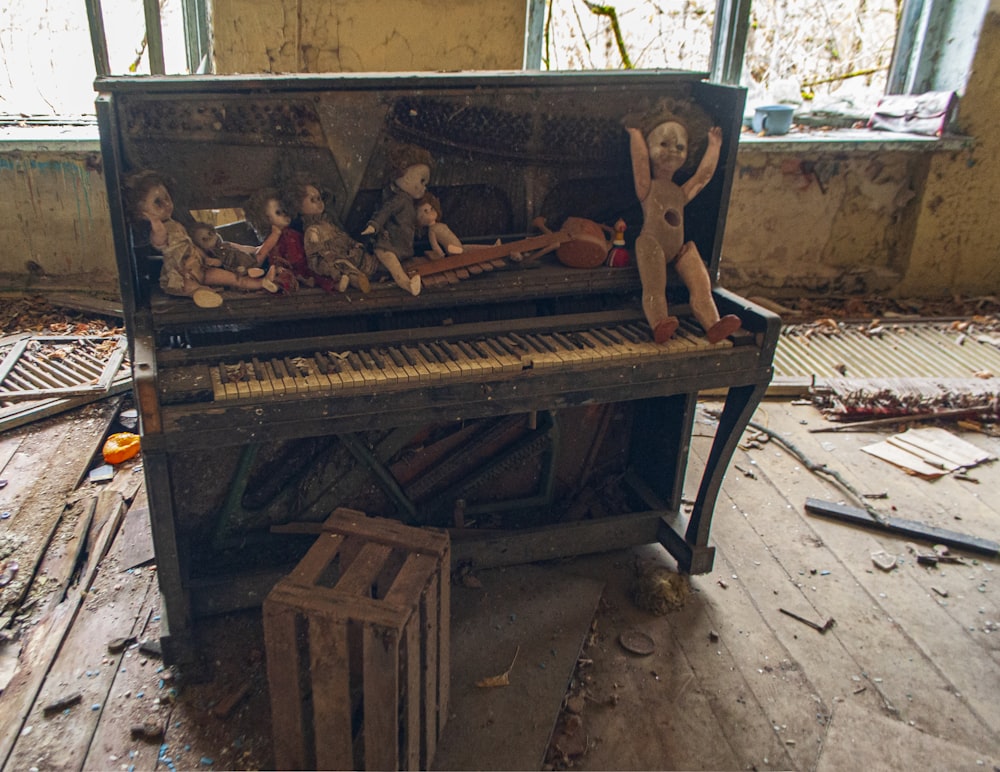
<point>659,149</point>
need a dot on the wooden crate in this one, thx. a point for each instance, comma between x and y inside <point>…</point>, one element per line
<point>357,643</point>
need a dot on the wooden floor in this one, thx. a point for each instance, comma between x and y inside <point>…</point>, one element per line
<point>909,674</point>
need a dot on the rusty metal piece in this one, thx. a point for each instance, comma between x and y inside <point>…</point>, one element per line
<point>822,628</point>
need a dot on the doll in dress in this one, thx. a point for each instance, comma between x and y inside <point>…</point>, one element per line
<point>394,225</point>
<point>330,251</point>
<point>659,147</point>
<point>282,246</point>
<point>185,270</point>
<point>241,259</point>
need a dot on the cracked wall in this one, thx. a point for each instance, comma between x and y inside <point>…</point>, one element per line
<point>361,36</point>
<point>806,223</point>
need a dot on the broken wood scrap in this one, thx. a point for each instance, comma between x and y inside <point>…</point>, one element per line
<point>848,399</point>
<point>853,426</point>
<point>901,527</point>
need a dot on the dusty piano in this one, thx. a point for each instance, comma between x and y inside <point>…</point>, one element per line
<point>524,407</point>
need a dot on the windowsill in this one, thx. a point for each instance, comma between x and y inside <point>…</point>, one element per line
<point>51,138</point>
<point>86,139</point>
<point>839,140</point>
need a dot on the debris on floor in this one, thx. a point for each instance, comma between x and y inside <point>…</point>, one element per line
<point>658,589</point>
<point>930,452</point>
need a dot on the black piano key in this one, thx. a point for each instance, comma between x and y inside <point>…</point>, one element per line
<point>397,358</point>
<point>566,341</point>
<point>377,358</point>
<point>524,344</point>
<point>540,341</point>
<point>601,335</point>
<point>428,354</point>
<point>468,350</point>
<point>408,356</point>
<point>625,332</point>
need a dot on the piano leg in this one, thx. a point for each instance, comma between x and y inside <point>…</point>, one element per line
<point>176,637</point>
<point>692,551</point>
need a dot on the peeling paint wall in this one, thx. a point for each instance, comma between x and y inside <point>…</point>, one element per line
<point>956,247</point>
<point>54,218</point>
<point>903,223</point>
<point>820,222</point>
<point>361,36</point>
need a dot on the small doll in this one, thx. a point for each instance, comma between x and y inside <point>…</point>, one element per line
<point>443,240</point>
<point>282,245</point>
<point>330,251</point>
<point>241,259</point>
<point>394,225</point>
<point>659,149</point>
<point>185,270</point>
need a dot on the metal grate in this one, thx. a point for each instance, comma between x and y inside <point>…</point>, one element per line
<point>911,350</point>
<point>60,366</point>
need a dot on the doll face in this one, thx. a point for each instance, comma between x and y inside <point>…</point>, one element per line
<point>206,238</point>
<point>426,215</point>
<point>668,147</point>
<point>276,214</point>
<point>414,180</point>
<point>312,201</point>
<point>157,204</point>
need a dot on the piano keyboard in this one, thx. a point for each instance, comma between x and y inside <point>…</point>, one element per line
<point>365,368</point>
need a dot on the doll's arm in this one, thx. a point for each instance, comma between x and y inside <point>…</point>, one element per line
<point>435,244</point>
<point>265,249</point>
<point>640,163</point>
<point>157,233</point>
<point>706,169</point>
<point>246,248</point>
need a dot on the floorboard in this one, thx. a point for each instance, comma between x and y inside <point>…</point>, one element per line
<point>909,674</point>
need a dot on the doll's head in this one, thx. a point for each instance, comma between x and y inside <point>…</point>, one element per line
<point>204,236</point>
<point>673,128</point>
<point>301,198</point>
<point>147,197</point>
<point>428,210</point>
<point>410,169</point>
<point>265,209</point>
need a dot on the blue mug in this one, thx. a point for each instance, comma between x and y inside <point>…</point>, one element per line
<point>773,119</point>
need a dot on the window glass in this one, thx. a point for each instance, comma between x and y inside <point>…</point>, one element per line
<point>48,64</point>
<point>832,54</point>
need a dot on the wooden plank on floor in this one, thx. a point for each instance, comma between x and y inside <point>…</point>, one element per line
<point>891,632</point>
<point>84,665</point>
<point>34,518</point>
<point>544,614</point>
<point>856,734</point>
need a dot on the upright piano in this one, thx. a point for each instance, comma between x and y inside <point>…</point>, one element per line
<point>523,405</point>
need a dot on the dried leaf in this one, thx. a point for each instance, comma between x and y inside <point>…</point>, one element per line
<point>499,680</point>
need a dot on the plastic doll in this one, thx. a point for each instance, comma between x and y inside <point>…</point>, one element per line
<point>442,239</point>
<point>330,251</point>
<point>239,258</point>
<point>185,269</point>
<point>659,150</point>
<point>282,245</point>
<point>394,225</point>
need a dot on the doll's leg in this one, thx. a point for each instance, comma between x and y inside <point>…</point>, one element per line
<point>691,268</point>
<point>203,297</point>
<point>410,283</point>
<point>653,274</point>
<point>222,278</point>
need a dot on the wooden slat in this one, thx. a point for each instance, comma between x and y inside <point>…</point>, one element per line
<point>381,688</point>
<point>331,693</point>
<point>283,673</point>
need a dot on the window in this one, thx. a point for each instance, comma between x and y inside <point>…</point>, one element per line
<point>835,56</point>
<point>48,62</point>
